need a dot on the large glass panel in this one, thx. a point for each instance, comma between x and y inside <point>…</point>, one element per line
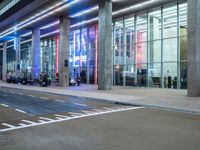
<point>129,75</point>
<point>155,25</point>
<point>118,75</point>
<point>154,75</point>
<point>141,52</point>
<point>183,48</point>
<point>48,57</point>
<point>170,21</point>
<point>118,42</point>
<point>92,54</point>
<point>11,61</point>
<point>26,57</point>
<point>142,75</point>
<point>154,51</point>
<point>183,75</point>
<point>183,19</point>
<point>170,75</point>
<point>141,27</point>
<point>170,49</point>
<point>130,33</point>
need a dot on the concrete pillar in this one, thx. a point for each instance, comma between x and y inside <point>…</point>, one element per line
<point>105,45</point>
<point>17,55</point>
<point>64,50</point>
<point>36,54</point>
<point>193,48</point>
<point>4,71</point>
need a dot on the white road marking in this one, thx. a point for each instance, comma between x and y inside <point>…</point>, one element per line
<point>11,127</point>
<point>5,95</point>
<point>57,115</point>
<point>27,121</point>
<point>12,92</point>
<point>42,121</point>
<point>4,90</point>
<point>62,101</point>
<point>80,104</point>
<point>74,114</point>
<point>58,118</point>
<point>44,118</point>
<point>4,105</point>
<point>43,97</point>
<point>20,93</point>
<point>8,125</point>
<point>20,111</point>
<point>31,95</point>
<point>22,124</point>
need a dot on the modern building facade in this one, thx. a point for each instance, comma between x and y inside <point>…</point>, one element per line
<point>147,43</point>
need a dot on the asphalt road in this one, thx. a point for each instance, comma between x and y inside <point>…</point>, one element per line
<point>33,120</point>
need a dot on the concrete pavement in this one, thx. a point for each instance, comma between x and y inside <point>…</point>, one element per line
<point>172,99</point>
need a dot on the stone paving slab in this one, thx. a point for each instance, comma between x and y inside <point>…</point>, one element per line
<point>172,99</point>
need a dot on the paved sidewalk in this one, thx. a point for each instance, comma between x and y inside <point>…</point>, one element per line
<point>172,99</point>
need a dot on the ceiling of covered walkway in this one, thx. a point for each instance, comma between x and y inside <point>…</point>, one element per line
<point>44,14</point>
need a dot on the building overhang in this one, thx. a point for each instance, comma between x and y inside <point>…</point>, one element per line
<point>39,14</point>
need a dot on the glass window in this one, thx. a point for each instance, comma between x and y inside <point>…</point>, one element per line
<point>141,27</point>
<point>183,19</point>
<point>170,21</point>
<point>154,51</point>
<point>154,75</point>
<point>141,52</point>
<point>170,75</point>
<point>155,25</point>
<point>170,49</point>
<point>130,34</point>
<point>119,43</point>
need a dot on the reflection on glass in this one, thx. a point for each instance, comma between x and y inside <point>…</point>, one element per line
<point>155,25</point>
<point>170,21</point>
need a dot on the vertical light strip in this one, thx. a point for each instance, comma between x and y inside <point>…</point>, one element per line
<point>96,54</point>
<point>57,55</point>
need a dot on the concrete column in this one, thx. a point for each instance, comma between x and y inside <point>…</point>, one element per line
<point>17,55</point>
<point>193,48</point>
<point>64,51</point>
<point>36,54</point>
<point>4,71</point>
<point>105,62</point>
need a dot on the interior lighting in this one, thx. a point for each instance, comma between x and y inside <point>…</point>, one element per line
<point>42,15</point>
<point>84,12</point>
<point>134,6</point>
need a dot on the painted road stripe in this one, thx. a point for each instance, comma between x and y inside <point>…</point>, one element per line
<point>80,104</point>
<point>65,119</point>
<point>4,90</point>
<point>8,125</point>
<point>57,115</point>
<point>20,111</point>
<point>41,121</point>
<point>22,124</point>
<point>20,93</point>
<point>58,118</point>
<point>31,95</point>
<point>27,121</point>
<point>62,101</point>
<point>4,105</point>
<point>43,97</point>
<point>74,114</point>
<point>44,118</point>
